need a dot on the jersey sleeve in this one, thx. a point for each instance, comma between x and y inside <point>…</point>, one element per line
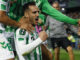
<point>48,9</point>
<point>20,40</point>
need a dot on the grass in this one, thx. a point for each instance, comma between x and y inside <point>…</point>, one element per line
<point>64,55</point>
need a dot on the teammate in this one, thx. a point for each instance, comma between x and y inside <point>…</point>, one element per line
<point>46,8</point>
<point>6,51</point>
<point>3,14</point>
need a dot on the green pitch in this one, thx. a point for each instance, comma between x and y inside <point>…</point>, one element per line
<point>64,55</point>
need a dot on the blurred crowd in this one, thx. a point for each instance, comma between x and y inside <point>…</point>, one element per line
<point>74,14</point>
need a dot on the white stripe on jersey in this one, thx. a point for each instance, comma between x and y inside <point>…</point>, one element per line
<point>2,2</point>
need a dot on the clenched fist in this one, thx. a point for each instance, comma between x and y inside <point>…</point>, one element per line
<point>43,35</point>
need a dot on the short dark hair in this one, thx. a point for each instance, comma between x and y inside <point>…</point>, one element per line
<point>55,2</point>
<point>26,5</point>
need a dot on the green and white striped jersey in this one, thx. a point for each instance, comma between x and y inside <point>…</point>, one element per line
<point>8,34</point>
<point>6,51</point>
<point>3,5</point>
<point>22,38</point>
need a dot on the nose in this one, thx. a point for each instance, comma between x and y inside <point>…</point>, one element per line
<point>37,14</point>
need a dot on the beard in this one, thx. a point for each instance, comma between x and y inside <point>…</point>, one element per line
<point>32,21</point>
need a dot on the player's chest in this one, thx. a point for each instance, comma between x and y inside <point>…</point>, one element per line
<point>32,37</point>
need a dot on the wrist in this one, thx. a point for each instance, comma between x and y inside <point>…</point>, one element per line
<point>39,40</point>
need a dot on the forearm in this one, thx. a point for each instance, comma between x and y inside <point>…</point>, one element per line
<point>26,49</point>
<point>7,21</point>
<point>48,9</point>
<point>13,23</point>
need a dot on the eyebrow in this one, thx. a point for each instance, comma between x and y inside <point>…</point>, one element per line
<point>36,11</point>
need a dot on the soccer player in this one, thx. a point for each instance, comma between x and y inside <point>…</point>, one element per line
<point>3,14</point>
<point>6,51</point>
<point>28,43</point>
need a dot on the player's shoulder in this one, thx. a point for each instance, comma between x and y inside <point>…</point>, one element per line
<point>21,31</point>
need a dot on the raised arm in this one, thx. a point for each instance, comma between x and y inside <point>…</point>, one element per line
<point>48,9</point>
<point>7,21</point>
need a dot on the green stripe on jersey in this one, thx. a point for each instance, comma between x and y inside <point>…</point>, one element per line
<point>2,7</point>
<point>20,39</point>
<point>29,57</point>
<point>35,55</point>
<point>1,31</point>
<point>40,53</point>
<point>27,39</point>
